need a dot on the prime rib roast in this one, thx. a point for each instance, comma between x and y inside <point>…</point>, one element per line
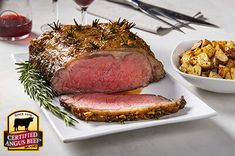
<point>119,107</point>
<point>104,57</point>
<point>86,64</point>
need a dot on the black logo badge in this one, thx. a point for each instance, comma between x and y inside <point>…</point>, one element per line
<point>23,132</point>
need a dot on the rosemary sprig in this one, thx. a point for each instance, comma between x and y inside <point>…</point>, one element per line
<point>37,89</point>
<point>55,25</point>
<point>130,25</point>
<point>125,23</point>
<point>77,26</point>
<point>95,23</point>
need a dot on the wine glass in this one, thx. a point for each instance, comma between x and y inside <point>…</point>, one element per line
<point>15,22</point>
<point>84,5</point>
<point>55,6</point>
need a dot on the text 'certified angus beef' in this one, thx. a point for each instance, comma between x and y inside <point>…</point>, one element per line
<point>97,58</point>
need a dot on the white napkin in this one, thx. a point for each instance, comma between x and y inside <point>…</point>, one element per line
<point>113,11</point>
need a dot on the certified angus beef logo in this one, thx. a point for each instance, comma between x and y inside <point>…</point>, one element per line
<point>23,131</point>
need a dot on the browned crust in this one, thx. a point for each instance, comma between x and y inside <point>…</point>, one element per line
<point>158,71</point>
<point>128,114</point>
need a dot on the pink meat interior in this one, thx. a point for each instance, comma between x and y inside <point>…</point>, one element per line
<point>101,101</point>
<point>104,72</point>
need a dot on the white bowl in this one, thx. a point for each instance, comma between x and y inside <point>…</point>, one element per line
<point>206,83</point>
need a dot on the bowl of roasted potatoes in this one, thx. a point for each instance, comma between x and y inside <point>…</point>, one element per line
<point>206,64</point>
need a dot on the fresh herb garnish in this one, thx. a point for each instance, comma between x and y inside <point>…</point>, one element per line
<point>55,25</point>
<point>124,23</point>
<point>37,89</point>
<point>77,26</point>
<point>95,23</point>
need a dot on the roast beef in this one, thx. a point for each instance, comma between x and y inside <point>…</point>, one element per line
<point>102,57</point>
<point>117,107</point>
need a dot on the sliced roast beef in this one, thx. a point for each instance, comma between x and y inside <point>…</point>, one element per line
<point>104,57</point>
<point>117,107</point>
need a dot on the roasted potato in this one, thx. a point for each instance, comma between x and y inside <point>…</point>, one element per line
<point>184,67</point>
<point>214,43</point>
<point>230,44</point>
<point>195,70</point>
<point>185,58</point>
<point>230,63</point>
<point>205,42</point>
<point>232,70</point>
<point>197,45</point>
<point>214,75</point>
<point>210,59</point>
<point>197,51</point>
<point>228,76</point>
<point>220,55</point>
<point>222,70</point>
<point>215,62</point>
<point>222,44</point>
<point>209,50</point>
<point>193,60</point>
<point>204,61</point>
<point>205,74</point>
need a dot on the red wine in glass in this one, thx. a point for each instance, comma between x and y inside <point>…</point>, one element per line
<point>84,5</point>
<point>15,19</point>
<point>83,2</point>
<point>14,25</point>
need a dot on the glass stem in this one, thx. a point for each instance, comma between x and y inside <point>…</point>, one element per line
<point>84,15</point>
<point>55,10</point>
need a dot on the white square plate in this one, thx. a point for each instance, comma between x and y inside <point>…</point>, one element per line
<point>167,87</point>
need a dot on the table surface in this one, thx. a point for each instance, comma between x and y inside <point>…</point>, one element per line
<point>214,136</point>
